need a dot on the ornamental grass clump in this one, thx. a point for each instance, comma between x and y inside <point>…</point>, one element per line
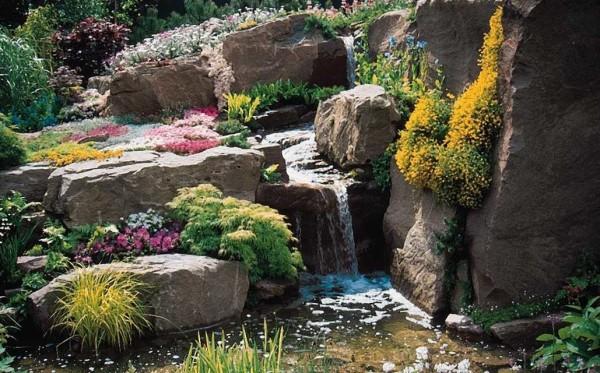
<point>233,229</point>
<point>69,152</point>
<point>102,307</point>
<point>241,107</point>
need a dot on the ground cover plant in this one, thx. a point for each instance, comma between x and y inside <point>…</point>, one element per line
<point>282,92</point>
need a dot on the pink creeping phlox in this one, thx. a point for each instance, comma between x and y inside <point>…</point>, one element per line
<point>186,146</point>
<point>108,129</point>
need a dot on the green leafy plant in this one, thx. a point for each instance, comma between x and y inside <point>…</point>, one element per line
<point>230,127</point>
<point>210,356</point>
<point>237,141</point>
<point>577,345</point>
<point>381,167</point>
<point>6,323</point>
<point>33,281</point>
<point>321,23</point>
<point>284,92</point>
<point>270,174</point>
<point>102,307</point>
<point>12,151</point>
<point>233,229</point>
<point>37,31</point>
<point>57,264</point>
<point>72,12</point>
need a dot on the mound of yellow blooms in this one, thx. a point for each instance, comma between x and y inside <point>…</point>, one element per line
<point>69,152</point>
<point>451,155</point>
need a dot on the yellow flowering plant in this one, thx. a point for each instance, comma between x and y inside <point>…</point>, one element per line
<point>241,107</point>
<point>69,152</point>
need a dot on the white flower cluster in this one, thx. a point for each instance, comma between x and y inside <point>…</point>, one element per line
<point>190,40</point>
<point>150,220</point>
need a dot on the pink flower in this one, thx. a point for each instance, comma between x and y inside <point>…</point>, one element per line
<point>209,111</point>
<point>122,240</point>
<point>188,146</point>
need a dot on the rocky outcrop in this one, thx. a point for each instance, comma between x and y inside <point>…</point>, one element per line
<point>273,155</point>
<point>30,180</point>
<point>187,291</point>
<point>282,49</point>
<point>523,332</point>
<point>274,290</point>
<point>410,224</point>
<point>28,264</point>
<point>453,31</point>
<point>464,327</point>
<point>147,89</point>
<point>367,205</point>
<point>389,28</point>
<point>354,127</point>
<point>88,192</point>
<point>99,83</point>
<point>312,210</point>
<point>542,209</point>
<point>282,117</point>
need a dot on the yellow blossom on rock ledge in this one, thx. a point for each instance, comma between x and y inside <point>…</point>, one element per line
<point>67,153</point>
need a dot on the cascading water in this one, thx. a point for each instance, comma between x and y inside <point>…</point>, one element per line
<point>350,60</point>
<point>346,220</point>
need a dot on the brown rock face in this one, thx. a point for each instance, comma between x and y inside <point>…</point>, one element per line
<point>393,24</point>
<point>188,291</point>
<point>312,211</point>
<point>523,332</point>
<point>454,32</point>
<point>88,192</point>
<point>543,206</point>
<point>147,89</point>
<point>30,180</point>
<point>355,127</point>
<point>283,50</point>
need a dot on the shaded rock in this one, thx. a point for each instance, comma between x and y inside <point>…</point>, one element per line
<point>542,209</point>
<point>31,180</point>
<point>281,49</point>
<point>523,332</point>
<point>32,263</point>
<point>400,214</point>
<point>464,327</point>
<point>147,89</point>
<point>454,33</point>
<point>462,286</point>
<point>92,191</point>
<point>272,155</point>
<point>271,290</point>
<point>188,291</point>
<point>367,206</point>
<point>355,127</point>
<point>391,25</point>
<point>312,210</point>
<point>281,117</point>
<point>100,83</point>
<point>417,271</point>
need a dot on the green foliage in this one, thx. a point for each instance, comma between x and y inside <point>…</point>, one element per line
<point>71,12</point>
<point>284,92</point>
<point>12,152</point>
<point>241,107</point>
<point>147,25</point>
<point>33,281</point>
<point>489,317</point>
<point>57,264</point>
<point>6,360</point>
<point>55,237</point>
<point>46,140</point>
<point>577,345</point>
<point>234,229</point>
<point>24,85</point>
<point>452,240</point>
<point>210,356</point>
<point>230,127</point>
<point>270,174</point>
<point>37,31</point>
<point>237,141</point>
<point>102,307</point>
<point>381,167</point>
<point>321,23</point>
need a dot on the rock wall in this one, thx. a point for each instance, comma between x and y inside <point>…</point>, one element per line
<point>283,50</point>
<point>148,89</point>
<point>542,210</point>
<point>31,180</point>
<point>93,191</point>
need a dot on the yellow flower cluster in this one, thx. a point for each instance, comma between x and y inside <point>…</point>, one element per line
<point>241,107</point>
<point>248,24</point>
<point>67,153</point>
<point>457,166</point>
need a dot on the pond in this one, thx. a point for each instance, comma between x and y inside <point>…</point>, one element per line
<point>347,323</point>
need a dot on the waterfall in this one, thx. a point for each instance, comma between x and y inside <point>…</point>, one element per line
<point>350,61</point>
<point>345,217</point>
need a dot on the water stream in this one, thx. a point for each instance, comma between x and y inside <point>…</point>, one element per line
<point>350,60</point>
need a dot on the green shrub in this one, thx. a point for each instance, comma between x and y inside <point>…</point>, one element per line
<point>102,307</point>
<point>270,174</point>
<point>12,151</point>
<point>230,127</point>
<point>71,12</point>
<point>284,92</point>
<point>25,93</point>
<point>237,141</point>
<point>232,229</point>
<point>57,264</point>
<point>33,281</point>
<point>381,167</point>
<point>577,345</point>
<point>37,31</point>
<point>321,23</point>
<point>208,356</point>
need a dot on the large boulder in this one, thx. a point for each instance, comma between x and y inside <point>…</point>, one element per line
<point>312,210</point>
<point>30,180</point>
<point>542,209</point>
<point>92,191</point>
<point>523,332</point>
<point>454,33</point>
<point>187,291</point>
<point>149,88</point>
<point>391,27</point>
<point>282,49</point>
<point>417,270</point>
<point>354,127</point>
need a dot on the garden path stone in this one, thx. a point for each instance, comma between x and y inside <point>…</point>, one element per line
<point>93,191</point>
<point>187,291</point>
